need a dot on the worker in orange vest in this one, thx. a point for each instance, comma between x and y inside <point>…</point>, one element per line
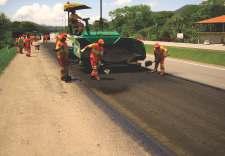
<point>95,57</point>
<point>62,54</point>
<point>57,38</point>
<point>27,45</point>
<point>160,54</point>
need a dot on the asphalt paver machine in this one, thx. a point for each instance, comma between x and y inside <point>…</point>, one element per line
<point>117,50</point>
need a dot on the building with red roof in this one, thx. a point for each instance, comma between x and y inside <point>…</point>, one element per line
<point>215,20</point>
<point>212,30</point>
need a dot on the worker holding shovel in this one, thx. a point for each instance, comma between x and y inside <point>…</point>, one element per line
<point>95,57</point>
<point>160,54</point>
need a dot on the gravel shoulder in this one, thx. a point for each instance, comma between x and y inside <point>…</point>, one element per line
<point>40,115</point>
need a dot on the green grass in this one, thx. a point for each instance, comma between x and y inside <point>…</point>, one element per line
<point>198,55</point>
<point>6,55</point>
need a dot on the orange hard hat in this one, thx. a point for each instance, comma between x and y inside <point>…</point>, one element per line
<point>62,36</point>
<point>59,37</point>
<point>101,41</point>
<point>157,45</point>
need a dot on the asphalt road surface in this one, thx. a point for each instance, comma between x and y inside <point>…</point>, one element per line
<point>186,117</point>
<point>203,73</point>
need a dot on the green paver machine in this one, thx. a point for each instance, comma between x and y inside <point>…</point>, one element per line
<point>117,50</point>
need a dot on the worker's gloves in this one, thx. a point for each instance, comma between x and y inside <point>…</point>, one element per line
<point>82,50</point>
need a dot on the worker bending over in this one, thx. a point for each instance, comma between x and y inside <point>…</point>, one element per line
<point>96,54</point>
<point>160,54</point>
<point>62,54</point>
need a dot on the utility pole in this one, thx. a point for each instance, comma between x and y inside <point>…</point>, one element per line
<point>101,20</point>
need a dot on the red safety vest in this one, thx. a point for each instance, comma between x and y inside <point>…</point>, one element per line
<point>27,43</point>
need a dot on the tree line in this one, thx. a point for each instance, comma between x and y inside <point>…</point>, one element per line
<point>135,21</point>
<point>10,30</point>
<point>141,21</point>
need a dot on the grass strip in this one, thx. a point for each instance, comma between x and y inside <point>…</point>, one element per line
<point>198,55</point>
<point>6,55</point>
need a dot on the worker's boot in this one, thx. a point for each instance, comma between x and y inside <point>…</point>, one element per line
<point>68,78</point>
<point>63,78</point>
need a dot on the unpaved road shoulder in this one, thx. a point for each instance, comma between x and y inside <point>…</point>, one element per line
<point>42,116</point>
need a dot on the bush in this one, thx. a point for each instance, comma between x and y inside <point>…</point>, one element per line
<point>6,55</point>
<point>6,40</point>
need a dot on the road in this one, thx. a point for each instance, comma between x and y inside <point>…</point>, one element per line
<point>189,45</point>
<point>42,116</point>
<point>203,73</point>
<point>186,117</point>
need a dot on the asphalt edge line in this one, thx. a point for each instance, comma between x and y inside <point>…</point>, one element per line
<point>196,82</point>
<point>134,130</point>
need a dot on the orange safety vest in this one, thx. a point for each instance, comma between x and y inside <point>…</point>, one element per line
<point>161,53</point>
<point>27,43</point>
<point>62,53</point>
<point>96,50</point>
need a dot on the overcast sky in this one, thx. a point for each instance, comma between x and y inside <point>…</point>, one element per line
<point>50,12</point>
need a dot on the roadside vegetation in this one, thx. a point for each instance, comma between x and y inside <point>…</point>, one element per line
<point>198,55</point>
<point>141,22</point>
<point>6,55</point>
<point>8,32</point>
<point>10,29</point>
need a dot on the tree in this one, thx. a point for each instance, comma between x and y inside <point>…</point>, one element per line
<point>212,8</point>
<point>129,20</point>
<point>6,35</point>
<point>96,24</point>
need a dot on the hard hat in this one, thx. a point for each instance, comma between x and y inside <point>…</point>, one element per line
<point>62,36</point>
<point>157,45</point>
<point>101,41</point>
<point>59,36</point>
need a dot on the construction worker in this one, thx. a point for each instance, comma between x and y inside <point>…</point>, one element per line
<point>160,54</point>
<point>75,24</point>
<point>62,54</point>
<point>27,45</point>
<point>45,38</point>
<point>57,38</point>
<point>36,43</point>
<point>95,57</point>
<point>20,44</point>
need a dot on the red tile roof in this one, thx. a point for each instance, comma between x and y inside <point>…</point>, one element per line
<point>219,19</point>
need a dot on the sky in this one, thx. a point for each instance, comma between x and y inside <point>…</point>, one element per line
<point>50,12</point>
